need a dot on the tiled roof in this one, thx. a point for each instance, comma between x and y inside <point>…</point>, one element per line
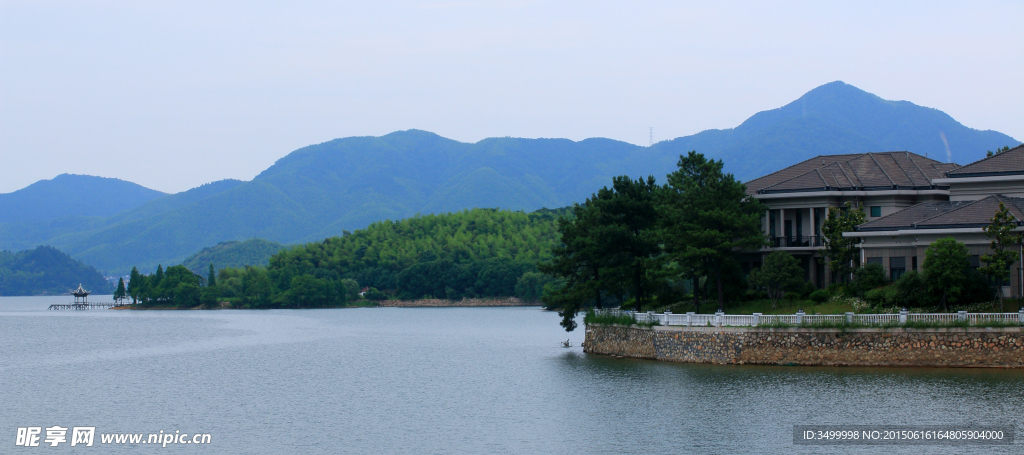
<point>1007,163</point>
<point>946,214</point>
<point>975,214</point>
<point>906,218</point>
<point>864,171</point>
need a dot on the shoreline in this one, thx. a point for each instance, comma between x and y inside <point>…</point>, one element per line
<point>981,347</point>
<point>422,303</point>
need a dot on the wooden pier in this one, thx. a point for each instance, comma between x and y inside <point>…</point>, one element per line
<point>82,302</point>
<point>82,306</point>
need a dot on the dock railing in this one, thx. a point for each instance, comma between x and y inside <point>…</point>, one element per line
<point>802,319</point>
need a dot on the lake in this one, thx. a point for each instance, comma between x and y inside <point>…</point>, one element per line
<point>437,380</point>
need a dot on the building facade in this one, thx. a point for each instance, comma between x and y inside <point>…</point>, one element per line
<point>898,241</point>
<point>798,199</point>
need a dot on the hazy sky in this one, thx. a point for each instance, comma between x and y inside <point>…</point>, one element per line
<point>175,94</point>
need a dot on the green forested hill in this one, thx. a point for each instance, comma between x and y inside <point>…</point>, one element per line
<point>472,253</point>
<point>252,252</point>
<point>47,271</point>
<point>322,190</point>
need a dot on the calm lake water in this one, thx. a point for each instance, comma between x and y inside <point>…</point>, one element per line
<point>437,380</point>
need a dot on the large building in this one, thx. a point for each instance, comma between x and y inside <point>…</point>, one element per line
<point>798,198</point>
<point>909,201</point>
<point>898,241</point>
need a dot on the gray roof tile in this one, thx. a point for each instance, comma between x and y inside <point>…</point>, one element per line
<point>946,214</point>
<point>1007,163</point>
<point>885,170</point>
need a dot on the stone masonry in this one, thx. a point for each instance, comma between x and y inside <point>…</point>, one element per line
<point>947,347</point>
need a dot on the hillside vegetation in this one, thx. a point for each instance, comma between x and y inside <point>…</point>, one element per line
<point>472,253</point>
<point>322,190</point>
<point>233,254</point>
<point>47,271</point>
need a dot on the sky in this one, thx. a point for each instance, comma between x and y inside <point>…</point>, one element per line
<point>172,95</point>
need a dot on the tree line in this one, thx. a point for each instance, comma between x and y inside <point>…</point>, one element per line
<point>639,241</point>
<point>472,253</point>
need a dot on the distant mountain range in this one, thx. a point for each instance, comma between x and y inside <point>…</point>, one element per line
<point>345,184</point>
<point>70,195</point>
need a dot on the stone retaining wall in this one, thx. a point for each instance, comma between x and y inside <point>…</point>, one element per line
<point>510,301</point>
<point>622,341</point>
<point>948,347</point>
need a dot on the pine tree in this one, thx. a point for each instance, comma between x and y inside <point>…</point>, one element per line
<point>211,280</point>
<point>708,218</point>
<point>134,285</point>
<point>628,235</point>
<point>120,293</point>
<point>578,261</point>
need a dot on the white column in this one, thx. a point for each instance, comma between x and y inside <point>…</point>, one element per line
<point>813,224</point>
<point>780,230</point>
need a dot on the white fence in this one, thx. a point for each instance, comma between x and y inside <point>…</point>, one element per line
<point>800,318</point>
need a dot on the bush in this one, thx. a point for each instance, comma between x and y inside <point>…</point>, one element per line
<point>871,276</point>
<point>753,294</point>
<point>883,296</point>
<point>374,294</point>
<point>819,296</point>
<point>807,289</point>
<point>911,291</point>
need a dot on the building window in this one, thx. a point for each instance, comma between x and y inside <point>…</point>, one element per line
<point>897,267</point>
<point>874,261</point>
<point>876,211</point>
<point>913,263</point>
<point>975,261</point>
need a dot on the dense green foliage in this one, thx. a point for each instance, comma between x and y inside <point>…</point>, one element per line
<point>779,273</point>
<point>998,261</point>
<point>178,286</point>
<point>841,252</point>
<point>946,280</point>
<point>708,219</point>
<point>642,241</point>
<point>945,266</point>
<point>235,254</point>
<point>472,253</point>
<point>871,276</point>
<point>46,270</point>
<point>607,246</point>
<point>346,184</point>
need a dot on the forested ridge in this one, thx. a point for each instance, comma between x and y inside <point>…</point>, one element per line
<point>252,252</point>
<point>46,270</point>
<point>472,253</point>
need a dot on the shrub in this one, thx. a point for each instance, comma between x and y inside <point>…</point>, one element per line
<point>780,273</point>
<point>807,289</point>
<point>819,296</point>
<point>374,294</point>
<point>911,291</point>
<point>869,277</point>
